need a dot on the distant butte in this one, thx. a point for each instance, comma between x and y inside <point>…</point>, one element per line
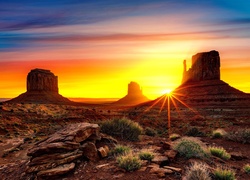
<point>42,87</point>
<point>202,87</point>
<point>202,84</point>
<point>134,95</point>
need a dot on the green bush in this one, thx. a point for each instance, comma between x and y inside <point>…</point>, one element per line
<point>120,150</point>
<point>218,133</point>
<point>219,152</point>
<point>224,174</point>
<point>129,162</point>
<point>190,147</point>
<point>150,131</point>
<point>123,128</point>
<point>247,168</point>
<point>145,155</point>
<point>195,132</point>
<point>197,171</point>
<point>242,136</point>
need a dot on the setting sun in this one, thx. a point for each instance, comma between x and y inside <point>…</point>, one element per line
<point>167,91</point>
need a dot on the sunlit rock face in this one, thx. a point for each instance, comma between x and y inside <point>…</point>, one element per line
<point>134,96</point>
<point>205,66</point>
<point>42,80</point>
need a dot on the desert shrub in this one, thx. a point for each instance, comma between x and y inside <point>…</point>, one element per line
<point>224,174</point>
<point>174,136</point>
<point>242,136</point>
<point>150,131</point>
<point>145,155</point>
<point>120,150</point>
<point>129,162</point>
<point>247,168</point>
<point>218,133</point>
<point>122,127</point>
<point>190,147</point>
<point>219,152</point>
<point>197,171</point>
<point>195,132</point>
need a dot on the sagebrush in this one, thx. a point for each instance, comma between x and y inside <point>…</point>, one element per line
<point>123,128</point>
<point>197,171</point>
<point>242,136</point>
<point>191,147</point>
<point>129,162</point>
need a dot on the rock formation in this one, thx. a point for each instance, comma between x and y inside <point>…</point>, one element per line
<point>134,96</point>
<point>42,87</point>
<point>42,80</point>
<point>201,85</point>
<point>57,154</point>
<point>205,66</point>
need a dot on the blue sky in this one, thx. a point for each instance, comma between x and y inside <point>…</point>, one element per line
<point>136,33</point>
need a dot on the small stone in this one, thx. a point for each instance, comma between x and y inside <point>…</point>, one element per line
<point>103,151</point>
<point>171,154</point>
<point>237,156</point>
<point>160,160</point>
<point>173,168</point>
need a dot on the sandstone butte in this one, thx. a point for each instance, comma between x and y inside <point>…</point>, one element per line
<point>42,87</point>
<point>201,85</point>
<point>134,95</point>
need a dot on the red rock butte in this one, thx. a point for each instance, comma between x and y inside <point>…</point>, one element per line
<point>42,87</point>
<point>134,95</point>
<point>202,87</point>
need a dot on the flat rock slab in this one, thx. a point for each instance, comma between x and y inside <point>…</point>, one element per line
<point>57,171</point>
<point>160,160</point>
<point>67,139</point>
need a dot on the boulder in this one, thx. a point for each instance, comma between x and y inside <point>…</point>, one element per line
<point>90,151</point>
<point>58,153</point>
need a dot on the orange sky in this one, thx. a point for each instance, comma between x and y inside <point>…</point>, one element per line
<point>97,57</point>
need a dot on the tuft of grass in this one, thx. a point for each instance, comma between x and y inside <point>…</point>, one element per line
<point>146,155</point>
<point>129,162</point>
<point>219,133</point>
<point>150,131</point>
<point>197,171</point>
<point>191,147</point>
<point>247,168</point>
<point>242,136</point>
<point>224,174</point>
<point>219,152</point>
<point>174,136</point>
<point>123,128</point>
<point>120,150</point>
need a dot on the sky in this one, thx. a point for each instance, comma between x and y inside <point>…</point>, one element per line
<point>97,47</point>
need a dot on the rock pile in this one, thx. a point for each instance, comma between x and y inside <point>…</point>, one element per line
<point>58,153</point>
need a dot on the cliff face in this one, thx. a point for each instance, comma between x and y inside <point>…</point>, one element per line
<point>42,80</point>
<point>134,96</point>
<point>205,66</point>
